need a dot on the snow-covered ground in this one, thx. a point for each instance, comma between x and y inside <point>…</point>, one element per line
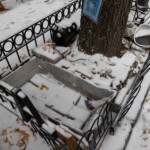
<point>21,15</point>
<point>112,72</point>
<point>12,130</point>
<point>140,138</point>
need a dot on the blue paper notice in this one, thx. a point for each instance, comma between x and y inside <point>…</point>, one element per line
<point>91,8</point>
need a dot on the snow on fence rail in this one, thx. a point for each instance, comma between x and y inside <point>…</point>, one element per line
<point>106,119</point>
<point>22,39</point>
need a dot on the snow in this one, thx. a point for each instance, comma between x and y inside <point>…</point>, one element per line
<point>66,105</point>
<point>51,97</point>
<point>21,15</point>
<point>141,132</point>
<point>127,124</point>
<point>98,69</point>
<point>49,127</point>
<point>144,86</point>
<point>79,113</point>
<point>62,132</point>
<point>7,86</point>
<point>10,123</point>
<point>20,94</point>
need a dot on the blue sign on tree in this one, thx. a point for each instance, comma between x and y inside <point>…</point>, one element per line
<point>91,8</point>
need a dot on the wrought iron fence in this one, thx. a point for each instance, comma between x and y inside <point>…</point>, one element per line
<point>140,16</point>
<point>94,135</point>
<point>30,34</point>
<point>55,143</point>
<point>19,100</point>
<point>136,86</point>
<point>106,119</point>
<point>133,92</point>
<point>100,126</point>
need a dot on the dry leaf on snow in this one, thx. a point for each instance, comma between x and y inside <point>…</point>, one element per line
<point>16,137</point>
<point>44,87</point>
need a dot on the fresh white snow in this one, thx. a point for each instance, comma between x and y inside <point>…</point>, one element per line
<point>98,69</point>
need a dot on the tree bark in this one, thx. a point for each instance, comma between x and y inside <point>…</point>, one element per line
<point>106,35</point>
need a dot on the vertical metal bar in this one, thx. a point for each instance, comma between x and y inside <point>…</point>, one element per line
<point>41,24</point>
<point>28,51</point>
<point>27,48</point>
<point>16,50</point>
<point>18,57</point>
<point>33,111</point>
<point>12,105</point>
<point>5,57</point>
<point>8,62</point>
<point>36,42</point>
<point>50,34</point>
<point>44,38</point>
<point>1,97</point>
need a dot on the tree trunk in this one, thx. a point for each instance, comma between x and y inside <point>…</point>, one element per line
<point>106,35</point>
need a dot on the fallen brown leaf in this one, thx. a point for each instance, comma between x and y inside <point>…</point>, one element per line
<point>4,132</point>
<point>19,120</point>
<point>119,123</point>
<point>49,106</point>
<point>145,139</point>
<point>144,131</point>
<point>28,4</point>
<point>48,47</point>
<point>44,87</point>
<point>23,57</point>
<point>16,66</point>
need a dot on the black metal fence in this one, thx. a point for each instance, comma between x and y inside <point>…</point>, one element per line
<point>100,126</point>
<point>106,119</point>
<point>136,86</point>
<point>18,99</point>
<point>139,16</point>
<point>30,34</point>
<point>133,92</point>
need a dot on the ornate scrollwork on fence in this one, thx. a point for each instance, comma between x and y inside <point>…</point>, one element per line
<point>133,92</point>
<point>8,96</point>
<point>107,119</point>
<point>20,40</point>
<point>139,16</point>
<point>136,87</point>
<point>51,140</point>
<point>100,126</point>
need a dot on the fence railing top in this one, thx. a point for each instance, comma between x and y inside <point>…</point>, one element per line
<point>75,1</point>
